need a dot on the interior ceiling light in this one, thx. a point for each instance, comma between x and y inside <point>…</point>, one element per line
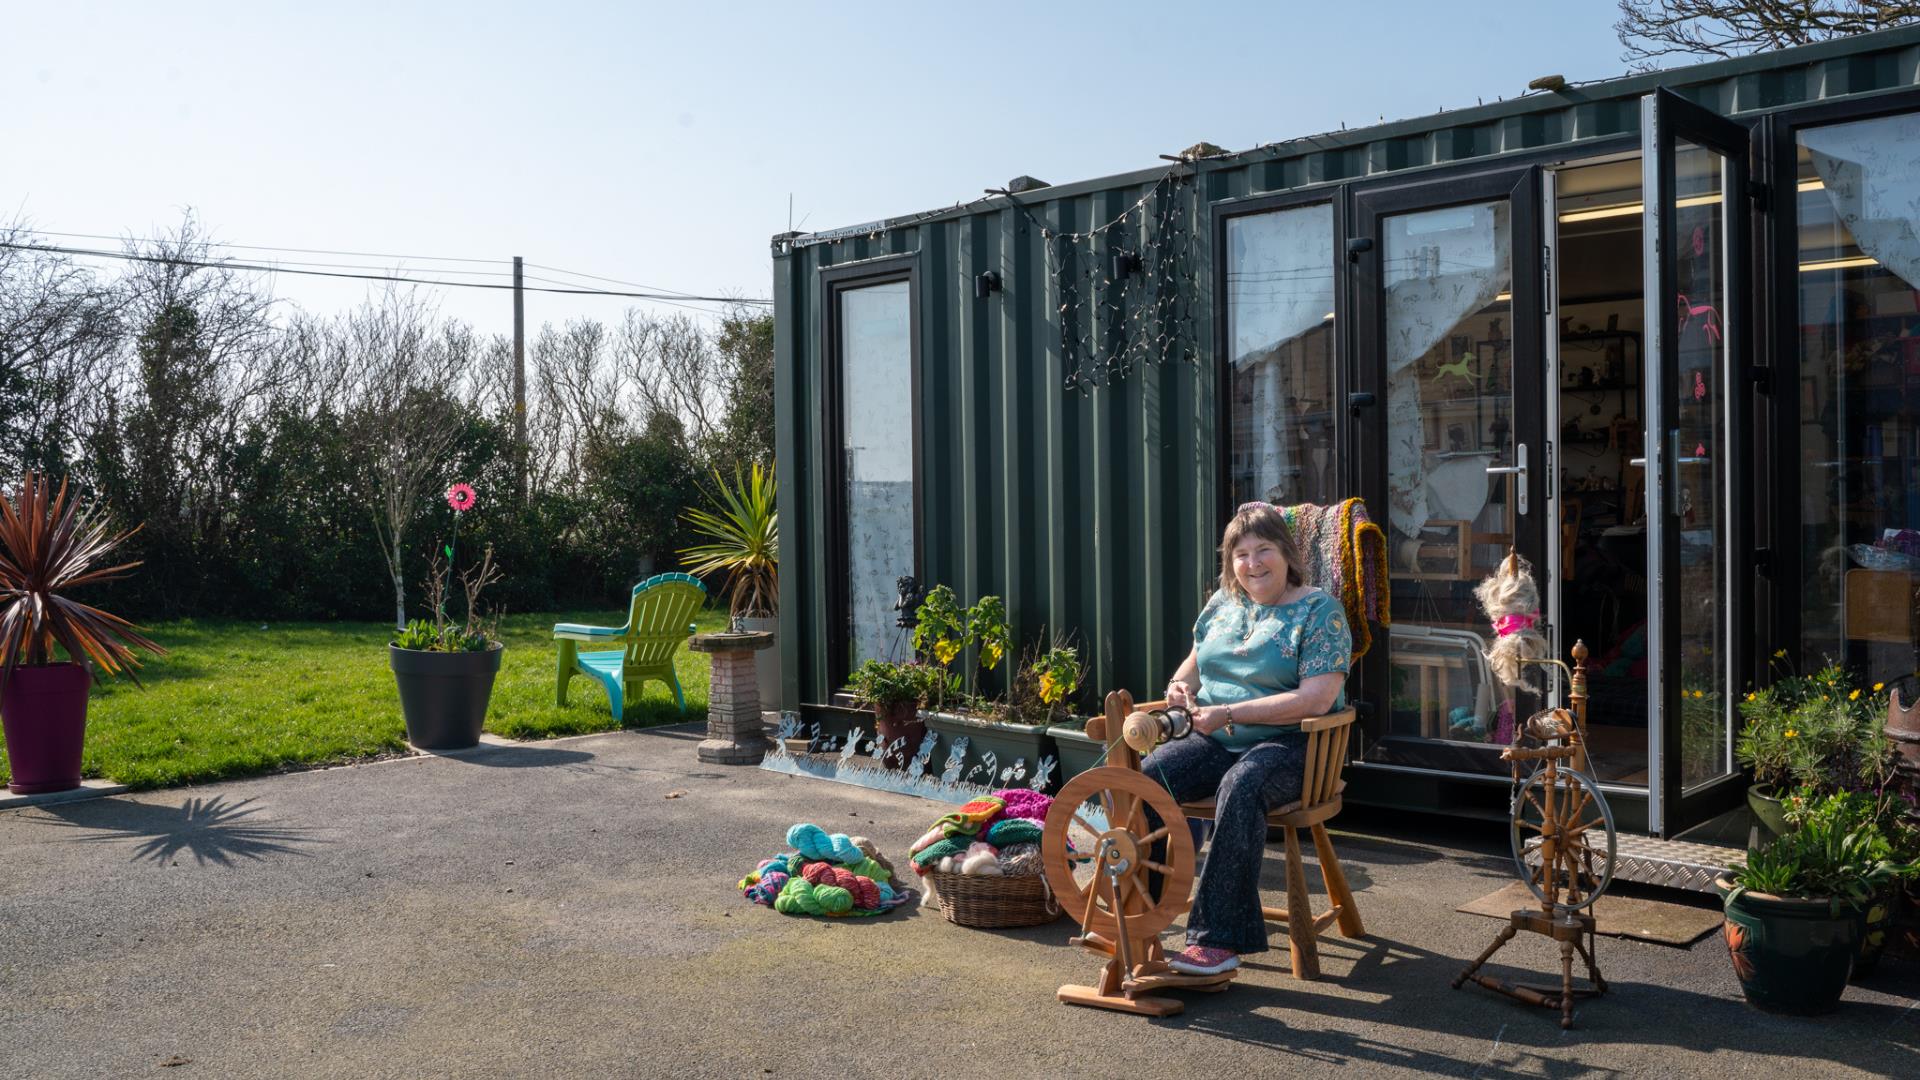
<point>1839,264</point>
<point>1625,209</point>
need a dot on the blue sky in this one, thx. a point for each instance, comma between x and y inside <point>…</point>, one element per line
<point>660,143</point>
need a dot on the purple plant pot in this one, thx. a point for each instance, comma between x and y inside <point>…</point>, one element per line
<point>44,712</point>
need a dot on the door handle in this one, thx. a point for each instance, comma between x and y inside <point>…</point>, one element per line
<point>1519,469</point>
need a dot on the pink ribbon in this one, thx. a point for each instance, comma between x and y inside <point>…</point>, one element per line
<point>1513,624</point>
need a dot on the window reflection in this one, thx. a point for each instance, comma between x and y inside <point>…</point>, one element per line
<point>1280,333</point>
<point>1859,394</point>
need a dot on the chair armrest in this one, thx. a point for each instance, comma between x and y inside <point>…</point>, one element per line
<point>581,632</point>
<point>1331,720</point>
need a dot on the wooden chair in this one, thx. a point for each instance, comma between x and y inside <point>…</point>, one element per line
<point>1319,800</point>
<point>658,622</point>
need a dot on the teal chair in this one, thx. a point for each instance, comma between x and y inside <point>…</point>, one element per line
<point>628,656</point>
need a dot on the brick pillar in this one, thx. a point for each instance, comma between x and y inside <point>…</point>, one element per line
<point>735,733</point>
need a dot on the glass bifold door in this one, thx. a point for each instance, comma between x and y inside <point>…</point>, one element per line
<point>1548,362</point>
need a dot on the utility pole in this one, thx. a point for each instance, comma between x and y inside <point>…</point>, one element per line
<point>519,382</point>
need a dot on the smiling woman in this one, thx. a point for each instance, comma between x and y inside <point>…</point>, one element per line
<point>1269,651</point>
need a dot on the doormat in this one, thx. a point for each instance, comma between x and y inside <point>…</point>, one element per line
<point>1619,916</point>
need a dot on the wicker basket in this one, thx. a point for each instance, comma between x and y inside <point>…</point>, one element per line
<point>990,902</point>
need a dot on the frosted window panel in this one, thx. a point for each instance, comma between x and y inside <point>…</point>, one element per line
<point>877,399</point>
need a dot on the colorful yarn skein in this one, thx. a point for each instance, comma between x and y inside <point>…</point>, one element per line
<point>1013,831</point>
<point>814,842</point>
<point>971,818</point>
<point>1024,803</point>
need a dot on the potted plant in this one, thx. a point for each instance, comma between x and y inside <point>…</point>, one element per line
<point>1817,731</point>
<point>445,669</point>
<point>1797,910</point>
<point>741,539</point>
<point>894,691</point>
<point>51,544</point>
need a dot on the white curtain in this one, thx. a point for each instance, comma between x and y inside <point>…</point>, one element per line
<point>1440,267</point>
<point>1280,277</point>
<point>1871,173</point>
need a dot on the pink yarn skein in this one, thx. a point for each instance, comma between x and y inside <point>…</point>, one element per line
<point>1024,803</point>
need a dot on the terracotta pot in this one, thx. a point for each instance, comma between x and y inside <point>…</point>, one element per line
<point>1791,955</point>
<point>1768,808</point>
<point>899,730</point>
<point>44,712</point>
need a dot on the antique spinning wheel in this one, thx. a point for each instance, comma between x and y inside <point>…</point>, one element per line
<point>1564,844</point>
<point>1119,857</point>
<point>1563,839</point>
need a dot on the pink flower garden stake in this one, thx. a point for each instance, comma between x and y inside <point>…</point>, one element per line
<point>461,498</point>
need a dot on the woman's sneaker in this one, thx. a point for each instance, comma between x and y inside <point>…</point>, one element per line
<point>1203,960</point>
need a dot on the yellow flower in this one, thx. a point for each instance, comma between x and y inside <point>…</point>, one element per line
<point>1779,654</point>
<point>946,651</point>
<point>1855,696</point>
<point>992,657</point>
<point>1879,686</point>
<point>1049,690</point>
<point>1699,694</point>
<point>1751,695</point>
<point>1791,733</point>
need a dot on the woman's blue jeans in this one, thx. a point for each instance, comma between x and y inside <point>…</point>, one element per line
<point>1245,786</point>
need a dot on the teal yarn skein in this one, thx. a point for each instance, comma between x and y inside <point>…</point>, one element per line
<point>814,842</point>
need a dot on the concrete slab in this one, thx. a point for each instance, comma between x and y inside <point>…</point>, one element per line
<point>88,789</point>
<point>546,909</point>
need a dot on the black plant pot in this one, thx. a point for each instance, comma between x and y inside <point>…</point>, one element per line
<point>443,696</point>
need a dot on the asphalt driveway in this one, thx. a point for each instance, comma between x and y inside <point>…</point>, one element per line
<point>549,910</point>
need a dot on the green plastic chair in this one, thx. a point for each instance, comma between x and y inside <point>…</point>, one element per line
<point>657,623</point>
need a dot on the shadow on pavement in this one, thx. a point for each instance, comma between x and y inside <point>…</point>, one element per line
<point>518,757</point>
<point>220,831</point>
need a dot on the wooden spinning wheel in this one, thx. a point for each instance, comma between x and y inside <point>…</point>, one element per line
<point>1563,838</point>
<point>1128,876</point>
<point>1107,880</point>
<point>1564,844</point>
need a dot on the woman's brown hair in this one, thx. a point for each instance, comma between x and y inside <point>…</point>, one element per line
<point>1262,520</point>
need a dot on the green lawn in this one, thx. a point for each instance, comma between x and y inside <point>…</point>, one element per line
<point>232,699</point>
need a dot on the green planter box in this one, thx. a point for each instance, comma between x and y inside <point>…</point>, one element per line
<point>1078,751</point>
<point>1026,744</point>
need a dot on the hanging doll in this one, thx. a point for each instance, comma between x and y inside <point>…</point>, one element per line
<point>1512,603</point>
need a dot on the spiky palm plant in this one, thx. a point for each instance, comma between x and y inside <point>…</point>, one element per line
<point>49,545</point>
<point>742,540</point>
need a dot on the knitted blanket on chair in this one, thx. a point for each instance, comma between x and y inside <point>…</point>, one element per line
<point>1345,554</point>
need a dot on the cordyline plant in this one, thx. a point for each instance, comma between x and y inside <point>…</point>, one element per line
<point>49,545</point>
<point>743,540</point>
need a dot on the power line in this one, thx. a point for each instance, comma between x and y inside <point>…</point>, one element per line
<point>597,277</point>
<point>676,299</point>
<point>261,247</point>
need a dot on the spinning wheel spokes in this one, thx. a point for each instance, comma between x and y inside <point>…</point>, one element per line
<point>1109,874</point>
<point>1569,857</point>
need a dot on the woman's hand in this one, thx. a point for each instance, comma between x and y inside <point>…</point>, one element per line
<point>1179,695</point>
<point>1208,719</point>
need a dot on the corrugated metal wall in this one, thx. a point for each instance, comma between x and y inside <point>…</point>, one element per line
<point>1094,513</point>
